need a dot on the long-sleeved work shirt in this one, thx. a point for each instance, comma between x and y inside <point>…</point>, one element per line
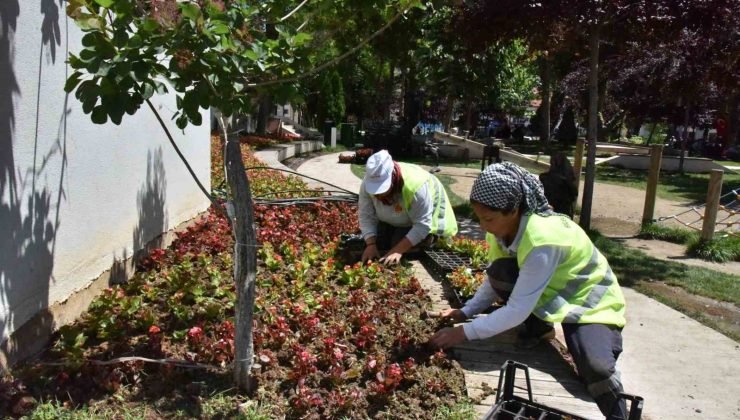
<point>419,215</point>
<point>534,275</point>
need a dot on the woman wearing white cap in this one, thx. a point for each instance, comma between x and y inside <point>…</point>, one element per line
<point>401,206</point>
<point>560,277</point>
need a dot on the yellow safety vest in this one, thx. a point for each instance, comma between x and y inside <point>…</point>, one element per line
<point>583,289</point>
<point>443,218</point>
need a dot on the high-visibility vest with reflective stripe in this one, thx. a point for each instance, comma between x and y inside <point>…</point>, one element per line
<point>443,218</point>
<point>583,289</point>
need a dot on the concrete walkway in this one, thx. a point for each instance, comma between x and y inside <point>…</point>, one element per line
<point>683,369</point>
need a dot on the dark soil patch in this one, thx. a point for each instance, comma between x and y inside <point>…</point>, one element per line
<point>296,161</point>
<point>724,316</point>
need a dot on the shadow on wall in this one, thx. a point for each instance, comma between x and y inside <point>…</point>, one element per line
<point>27,227</point>
<point>152,205</point>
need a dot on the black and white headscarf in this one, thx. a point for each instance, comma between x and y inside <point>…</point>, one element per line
<point>504,186</point>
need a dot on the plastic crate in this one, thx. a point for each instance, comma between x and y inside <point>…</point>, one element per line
<point>513,407</point>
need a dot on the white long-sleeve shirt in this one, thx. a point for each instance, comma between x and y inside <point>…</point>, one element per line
<point>419,216</point>
<point>534,275</point>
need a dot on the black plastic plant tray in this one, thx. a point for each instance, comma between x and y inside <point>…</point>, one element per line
<point>447,261</point>
<point>513,407</point>
<point>518,408</point>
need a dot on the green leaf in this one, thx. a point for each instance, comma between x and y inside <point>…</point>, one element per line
<point>149,25</point>
<point>301,38</point>
<point>99,115</point>
<point>251,55</point>
<point>141,70</point>
<point>90,39</point>
<point>147,90</point>
<point>105,3</point>
<point>220,28</point>
<point>182,121</point>
<point>196,118</point>
<point>190,102</point>
<point>88,54</point>
<point>190,11</point>
<point>72,82</point>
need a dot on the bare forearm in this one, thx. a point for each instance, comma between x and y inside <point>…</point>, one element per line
<point>402,247</point>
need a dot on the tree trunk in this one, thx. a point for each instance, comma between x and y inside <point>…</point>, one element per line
<point>389,88</point>
<point>546,99</point>
<point>593,115</point>
<point>265,110</point>
<point>468,115</point>
<point>684,136</point>
<point>602,127</point>
<point>652,130</point>
<point>448,113</point>
<point>245,264</point>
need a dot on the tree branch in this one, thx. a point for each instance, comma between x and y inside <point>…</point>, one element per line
<point>294,10</point>
<point>182,157</point>
<point>335,60</point>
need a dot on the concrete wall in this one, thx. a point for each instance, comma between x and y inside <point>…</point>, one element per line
<point>475,149</point>
<point>667,163</point>
<point>75,197</point>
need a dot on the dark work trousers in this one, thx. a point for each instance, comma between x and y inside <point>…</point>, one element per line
<point>388,236</point>
<point>502,275</point>
<point>594,347</point>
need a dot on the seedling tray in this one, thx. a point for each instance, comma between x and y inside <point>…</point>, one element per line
<point>445,262</point>
<point>442,262</point>
<point>513,407</point>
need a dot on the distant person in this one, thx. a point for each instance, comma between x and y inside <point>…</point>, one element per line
<point>505,132</point>
<point>401,207</point>
<point>518,134</point>
<point>560,184</point>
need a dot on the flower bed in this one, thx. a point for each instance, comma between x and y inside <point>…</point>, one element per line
<point>331,340</point>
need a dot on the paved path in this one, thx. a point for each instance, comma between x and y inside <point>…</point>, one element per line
<point>683,369</point>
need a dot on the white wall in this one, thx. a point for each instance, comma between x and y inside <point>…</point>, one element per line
<point>75,196</point>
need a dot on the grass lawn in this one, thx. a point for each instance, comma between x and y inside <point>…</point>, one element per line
<point>727,162</point>
<point>672,186</point>
<point>636,269</point>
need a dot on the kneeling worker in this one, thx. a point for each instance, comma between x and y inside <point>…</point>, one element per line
<point>561,277</point>
<point>401,207</point>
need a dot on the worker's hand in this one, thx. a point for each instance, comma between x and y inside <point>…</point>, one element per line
<point>448,337</point>
<point>370,253</point>
<point>391,258</point>
<point>454,315</point>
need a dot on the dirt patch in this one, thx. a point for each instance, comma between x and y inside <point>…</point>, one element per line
<point>725,316</point>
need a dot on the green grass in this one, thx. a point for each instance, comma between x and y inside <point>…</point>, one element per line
<point>219,405</point>
<point>727,162</point>
<point>668,234</point>
<point>633,267</point>
<point>53,410</point>
<point>335,149</point>
<point>720,249</point>
<point>672,186</point>
<point>637,270</point>
<point>461,411</point>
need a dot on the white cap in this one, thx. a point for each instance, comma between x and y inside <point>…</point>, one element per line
<point>379,173</point>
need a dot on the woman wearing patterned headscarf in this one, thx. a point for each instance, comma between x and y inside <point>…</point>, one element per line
<point>558,275</point>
